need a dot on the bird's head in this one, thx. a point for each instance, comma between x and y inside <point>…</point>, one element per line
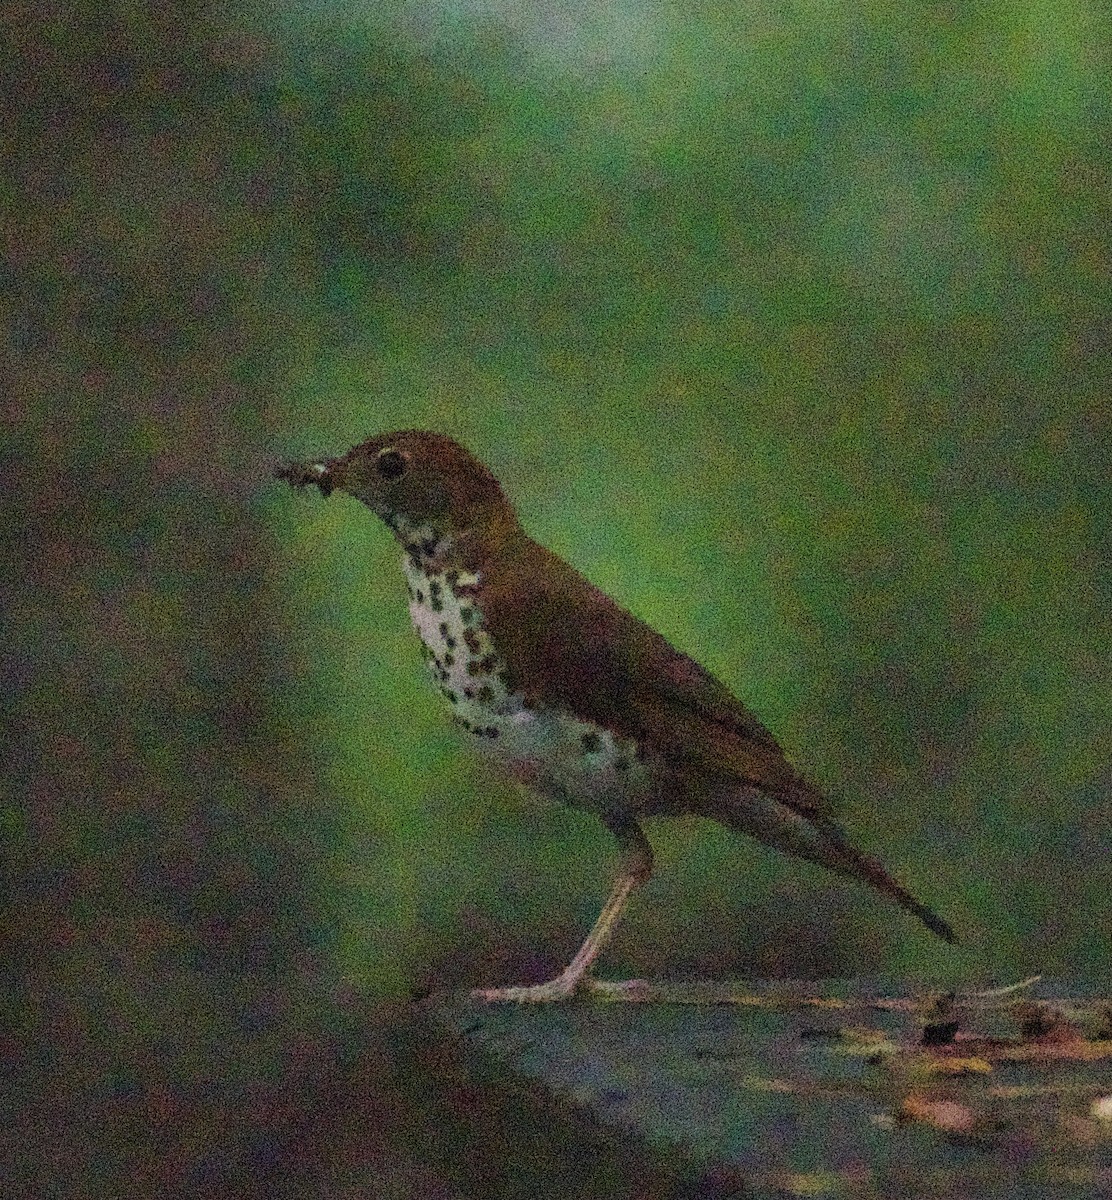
<point>414,480</point>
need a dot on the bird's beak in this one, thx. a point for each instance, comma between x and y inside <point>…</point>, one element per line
<point>322,473</point>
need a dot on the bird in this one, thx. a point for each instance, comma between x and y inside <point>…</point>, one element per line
<point>571,694</point>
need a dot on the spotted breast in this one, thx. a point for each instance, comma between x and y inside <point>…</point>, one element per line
<point>571,760</point>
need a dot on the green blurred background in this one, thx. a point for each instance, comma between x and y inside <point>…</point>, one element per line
<point>788,326</point>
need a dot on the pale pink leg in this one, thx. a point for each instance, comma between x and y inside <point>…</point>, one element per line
<point>566,983</point>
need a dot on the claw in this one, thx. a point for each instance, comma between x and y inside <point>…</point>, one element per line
<point>620,989</point>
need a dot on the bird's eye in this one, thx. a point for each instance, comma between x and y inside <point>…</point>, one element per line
<point>391,464</point>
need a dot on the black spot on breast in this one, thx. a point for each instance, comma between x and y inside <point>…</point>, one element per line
<point>450,642</point>
<point>444,629</point>
<point>622,764</point>
<point>465,614</point>
<point>469,693</point>
<point>452,696</point>
<point>429,546</point>
<point>420,596</point>
<point>486,693</point>
<point>591,742</point>
<point>449,660</point>
<point>492,731</point>
<point>487,664</point>
<point>436,604</point>
<point>452,577</point>
<point>472,640</point>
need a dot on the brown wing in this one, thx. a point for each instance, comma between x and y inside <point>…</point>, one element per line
<point>566,643</point>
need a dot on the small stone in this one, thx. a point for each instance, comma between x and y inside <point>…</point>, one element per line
<point>947,1115</point>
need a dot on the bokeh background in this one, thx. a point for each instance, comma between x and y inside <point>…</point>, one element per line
<point>788,325</point>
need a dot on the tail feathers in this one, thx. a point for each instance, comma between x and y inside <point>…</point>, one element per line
<point>808,833</point>
<point>847,861</point>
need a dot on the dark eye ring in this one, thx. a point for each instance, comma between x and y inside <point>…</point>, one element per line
<point>391,464</point>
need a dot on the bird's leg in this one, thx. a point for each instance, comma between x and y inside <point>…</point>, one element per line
<point>636,867</point>
<point>565,984</point>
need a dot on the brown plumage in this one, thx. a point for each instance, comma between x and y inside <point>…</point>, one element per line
<point>573,664</point>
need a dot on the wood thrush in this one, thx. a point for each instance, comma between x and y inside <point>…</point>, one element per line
<point>569,692</point>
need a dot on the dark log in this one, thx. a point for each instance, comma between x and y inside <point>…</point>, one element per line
<point>825,1090</point>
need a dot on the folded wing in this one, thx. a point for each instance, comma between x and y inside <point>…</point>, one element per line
<point>566,643</point>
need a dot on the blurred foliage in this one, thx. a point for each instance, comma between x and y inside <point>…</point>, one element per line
<point>788,327</point>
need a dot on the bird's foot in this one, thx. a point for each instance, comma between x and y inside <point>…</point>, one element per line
<point>619,989</point>
<point>563,987</point>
